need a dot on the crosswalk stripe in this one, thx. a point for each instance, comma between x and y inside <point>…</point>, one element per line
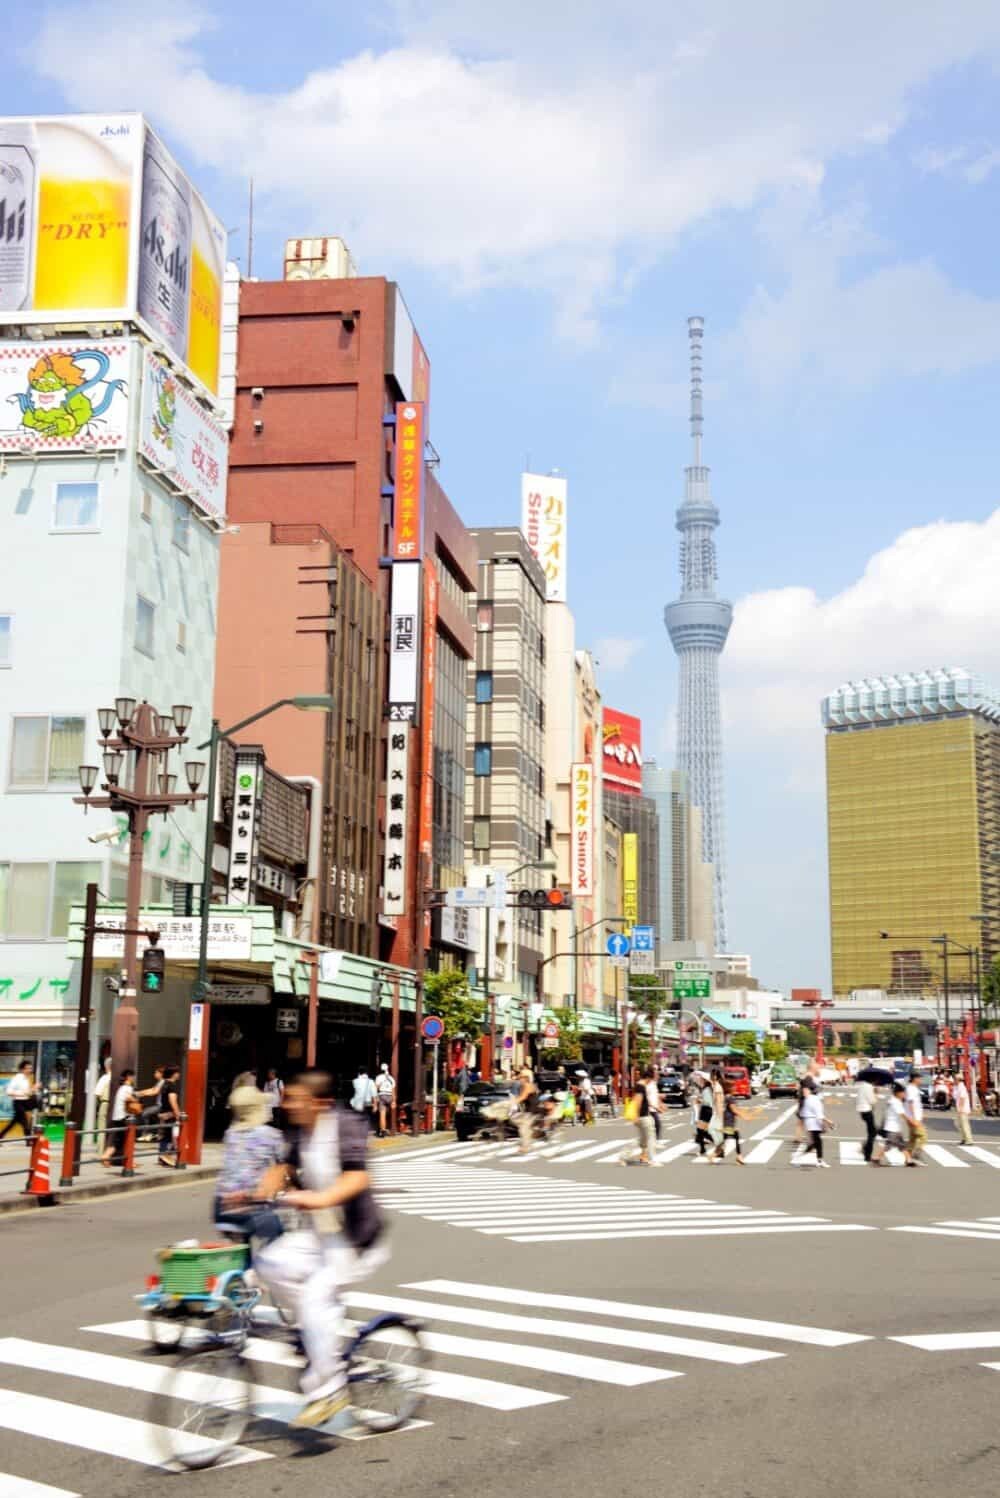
<point>592,1208</point>
<point>675,1152</point>
<point>570,1331</point>
<point>774,1125</point>
<point>944,1232</point>
<point>644,1220</point>
<point>850,1152</point>
<point>945,1157</point>
<point>436,1382</point>
<point>766,1150</point>
<point>960,1222</point>
<point>789,1225</point>
<point>782,1331</point>
<point>548,1360</point>
<point>591,1151</point>
<point>96,1430</point>
<point>950,1341</point>
<point>23,1487</point>
<point>978,1153</point>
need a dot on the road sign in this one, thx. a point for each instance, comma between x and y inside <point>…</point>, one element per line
<point>699,965</point>
<point>286,1021</point>
<point>618,962</point>
<point>643,938</point>
<point>618,945</point>
<point>707,1028</point>
<point>641,962</point>
<point>239,993</point>
<point>692,986</point>
<point>551,1031</point>
<point>473,898</point>
<point>432,1028</point>
<point>508,1042</point>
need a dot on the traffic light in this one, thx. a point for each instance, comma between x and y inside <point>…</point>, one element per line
<point>153,964</point>
<point>545,899</point>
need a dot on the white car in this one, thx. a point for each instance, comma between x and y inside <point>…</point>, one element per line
<point>829,1076</point>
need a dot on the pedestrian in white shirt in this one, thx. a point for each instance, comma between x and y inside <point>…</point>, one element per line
<point>385,1092</point>
<point>21,1096</point>
<point>866,1113</point>
<point>913,1112</point>
<point>893,1125</point>
<point>963,1108</point>
<point>102,1096</point>
<point>814,1123</point>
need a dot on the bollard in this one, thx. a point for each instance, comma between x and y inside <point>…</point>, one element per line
<point>182,1144</point>
<point>128,1153</point>
<point>71,1142</point>
<point>36,1144</point>
<point>39,1184</point>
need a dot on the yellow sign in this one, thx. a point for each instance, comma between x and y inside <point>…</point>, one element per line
<point>98,224</point>
<point>630,879</point>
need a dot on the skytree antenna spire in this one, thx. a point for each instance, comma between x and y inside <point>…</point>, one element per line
<point>698,625</point>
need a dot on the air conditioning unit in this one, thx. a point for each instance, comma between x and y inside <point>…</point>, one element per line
<point>318,260</point>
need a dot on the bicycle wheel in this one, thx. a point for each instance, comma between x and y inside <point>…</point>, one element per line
<point>166,1330</point>
<point>204,1405</point>
<point>385,1373</point>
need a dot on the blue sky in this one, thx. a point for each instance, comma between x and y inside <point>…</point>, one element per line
<point>556,190</point>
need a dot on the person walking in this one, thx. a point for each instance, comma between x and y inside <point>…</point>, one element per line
<point>913,1112</point>
<point>655,1101</point>
<point>703,1117</point>
<point>732,1116</point>
<point>385,1091</point>
<point>866,1113</point>
<point>525,1109</point>
<point>121,1114</point>
<point>963,1108</point>
<point>274,1091</point>
<point>814,1124</point>
<point>363,1097</point>
<point>102,1096</point>
<point>149,1097</point>
<point>23,1101</point>
<point>169,1115</point>
<point>718,1107</point>
<point>640,1113</point>
<point>893,1126</point>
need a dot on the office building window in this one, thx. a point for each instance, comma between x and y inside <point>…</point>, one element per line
<point>46,751</point>
<point>484,686</point>
<point>146,505</point>
<point>69,886</point>
<point>76,507</point>
<point>481,834</point>
<point>484,617</point>
<point>6,640</point>
<point>483,759</point>
<point>182,524</point>
<point>145,617</point>
<point>24,898</point>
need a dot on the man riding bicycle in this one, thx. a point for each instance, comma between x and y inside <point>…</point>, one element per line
<point>306,1270</point>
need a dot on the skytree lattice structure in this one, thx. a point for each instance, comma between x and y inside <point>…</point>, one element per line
<point>698,625</point>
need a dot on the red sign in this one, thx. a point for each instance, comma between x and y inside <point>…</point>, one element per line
<point>806,995</point>
<point>409,484</point>
<point>551,1031</point>
<point>622,751</point>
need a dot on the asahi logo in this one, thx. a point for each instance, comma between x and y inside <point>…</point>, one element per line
<point>172,263</point>
<point>13,217</point>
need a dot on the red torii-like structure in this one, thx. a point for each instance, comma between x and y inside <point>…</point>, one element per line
<point>813,998</point>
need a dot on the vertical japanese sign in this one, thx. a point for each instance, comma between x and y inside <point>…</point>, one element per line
<point>404,638</point>
<point>247,784</point>
<point>409,485</point>
<point>622,745</point>
<point>396,793</point>
<point>427,709</point>
<point>582,828</point>
<point>543,521</point>
<point>630,879</point>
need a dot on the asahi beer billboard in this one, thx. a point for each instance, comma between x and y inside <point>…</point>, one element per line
<point>99,224</point>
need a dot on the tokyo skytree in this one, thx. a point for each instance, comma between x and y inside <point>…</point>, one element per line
<point>698,625</point>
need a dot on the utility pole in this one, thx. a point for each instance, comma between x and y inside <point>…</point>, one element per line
<point>419,967</point>
<point>79,1101</point>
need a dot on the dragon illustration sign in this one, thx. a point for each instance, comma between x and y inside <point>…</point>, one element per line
<point>180,441</point>
<point>63,397</point>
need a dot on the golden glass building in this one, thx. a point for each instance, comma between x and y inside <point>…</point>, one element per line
<point>913,819</point>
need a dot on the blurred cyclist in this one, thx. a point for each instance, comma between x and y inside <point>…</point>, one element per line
<point>306,1270</point>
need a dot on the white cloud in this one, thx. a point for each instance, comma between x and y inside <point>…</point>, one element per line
<point>973,163</point>
<point>541,152</point>
<point>930,599</point>
<point>615,652</point>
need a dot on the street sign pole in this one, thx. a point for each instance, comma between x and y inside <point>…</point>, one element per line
<point>434,1088</point>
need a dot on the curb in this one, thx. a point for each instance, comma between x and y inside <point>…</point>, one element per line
<point>189,1177</point>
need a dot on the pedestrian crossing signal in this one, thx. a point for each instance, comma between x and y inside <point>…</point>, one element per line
<point>153,964</point>
<point>545,899</point>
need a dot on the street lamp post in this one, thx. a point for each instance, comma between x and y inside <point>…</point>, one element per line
<point>136,730</point>
<point>198,1055</point>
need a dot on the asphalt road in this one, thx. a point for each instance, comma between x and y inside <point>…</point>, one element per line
<point>775,1293</point>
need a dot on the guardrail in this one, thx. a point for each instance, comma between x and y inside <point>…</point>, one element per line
<point>123,1136</point>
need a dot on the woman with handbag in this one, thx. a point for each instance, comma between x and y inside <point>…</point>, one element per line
<point>125,1108</point>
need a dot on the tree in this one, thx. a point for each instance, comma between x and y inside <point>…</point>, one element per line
<point>801,1038</point>
<point>745,1042</point>
<point>447,995</point>
<point>991,992</point>
<point>774,1050</point>
<point>570,1048</point>
<point>648,995</point>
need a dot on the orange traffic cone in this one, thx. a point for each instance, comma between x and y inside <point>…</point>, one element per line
<point>39,1184</point>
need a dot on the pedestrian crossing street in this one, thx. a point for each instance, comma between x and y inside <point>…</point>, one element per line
<point>543,1349</point>
<point>535,1209</point>
<point>756,1151</point>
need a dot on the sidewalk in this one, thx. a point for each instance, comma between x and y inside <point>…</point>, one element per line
<point>94,1181</point>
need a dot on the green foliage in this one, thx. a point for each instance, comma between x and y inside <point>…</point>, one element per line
<point>774,1050</point>
<point>570,1047</point>
<point>745,1042</point>
<point>897,1039</point>
<point>991,992</point>
<point>801,1038</point>
<point>447,995</point>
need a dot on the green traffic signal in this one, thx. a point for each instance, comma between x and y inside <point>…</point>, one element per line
<point>153,963</point>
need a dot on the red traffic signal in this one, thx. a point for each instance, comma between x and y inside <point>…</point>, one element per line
<point>544,899</point>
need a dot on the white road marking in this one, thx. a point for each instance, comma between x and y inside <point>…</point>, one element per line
<point>675,1152</point>
<point>950,1341</point>
<point>945,1232</point>
<point>944,1157</point>
<point>23,1487</point>
<point>435,1382</point>
<point>567,1331</point>
<point>766,1150</point>
<point>644,1220</point>
<point>776,1123</point>
<point>95,1430</point>
<point>978,1153</point>
<point>561,1211</point>
<point>850,1152</point>
<point>789,1225</point>
<point>591,1151</point>
<point>782,1331</point>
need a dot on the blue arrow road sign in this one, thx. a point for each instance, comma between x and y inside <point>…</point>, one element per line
<point>618,945</point>
<point>642,938</point>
